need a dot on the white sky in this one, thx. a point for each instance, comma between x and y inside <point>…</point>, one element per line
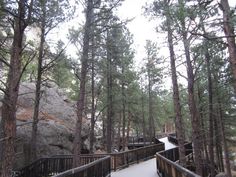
<point>141,28</point>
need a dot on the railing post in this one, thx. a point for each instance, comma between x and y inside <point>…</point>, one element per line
<point>127,158</point>
<point>137,158</point>
<point>115,163</point>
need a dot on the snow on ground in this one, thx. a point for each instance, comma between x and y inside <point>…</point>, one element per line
<point>143,169</point>
<point>168,145</point>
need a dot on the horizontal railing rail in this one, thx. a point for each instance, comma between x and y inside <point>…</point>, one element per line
<point>126,158</point>
<point>168,161</point>
<point>168,168</point>
<point>53,165</point>
<point>58,163</point>
<point>98,168</point>
<point>173,154</point>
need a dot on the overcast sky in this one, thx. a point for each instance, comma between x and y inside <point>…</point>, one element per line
<point>140,26</point>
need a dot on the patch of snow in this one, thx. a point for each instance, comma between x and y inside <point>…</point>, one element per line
<point>168,145</point>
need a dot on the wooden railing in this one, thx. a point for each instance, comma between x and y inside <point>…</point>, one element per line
<point>53,165</point>
<point>172,139</point>
<point>126,158</point>
<point>167,161</point>
<point>168,168</point>
<point>46,167</point>
<point>98,168</point>
<point>173,154</point>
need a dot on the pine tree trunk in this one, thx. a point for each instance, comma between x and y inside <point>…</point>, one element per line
<point>210,114</point>
<point>128,130</point>
<point>104,136</point>
<point>210,103</point>
<point>33,149</point>
<point>225,146</point>
<point>9,106</point>
<point>150,105</point>
<point>119,132</point>
<point>230,36</point>
<point>93,100</point>
<point>202,124</point>
<point>84,66</point>
<point>177,107</point>
<point>218,140</point>
<point>109,98</point>
<point>195,118</point>
<point>143,119</point>
<point>123,112</point>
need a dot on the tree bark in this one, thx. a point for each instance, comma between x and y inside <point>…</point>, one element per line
<point>176,99</point>
<point>109,97</point>
<point>202,123</point>
<point>196,126</point>
<point>230,36</point>
<point>84,67</point>
<point>143,119</point>
<point>123,110</point>
<point>9,106</point>
<point>225,146</point>
<point>210,102</point>
<point>93,109</point>
<point>218,140</point>
<point>195,118</point>
<point>150,105</point>
<point>119,132</point>
<point>33,149</point>
<point>210,113</point>
<point>128,128</point>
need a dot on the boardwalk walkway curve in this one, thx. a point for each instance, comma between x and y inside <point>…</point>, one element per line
<point>57,165</point>
<point>165,164</point>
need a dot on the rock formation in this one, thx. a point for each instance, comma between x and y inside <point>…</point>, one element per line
<point>56,125</point>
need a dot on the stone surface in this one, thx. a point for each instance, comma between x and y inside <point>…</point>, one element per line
<point>56,125</point>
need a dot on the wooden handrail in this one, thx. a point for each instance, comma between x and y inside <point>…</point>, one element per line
<point>53,165</point>
<point>126,158</point>
<point>168,168</point>
<point>167,161</point>
<point>59,163</point>
<point>101,168</point>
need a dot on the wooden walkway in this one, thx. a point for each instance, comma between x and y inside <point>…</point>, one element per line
<point>143,169</point>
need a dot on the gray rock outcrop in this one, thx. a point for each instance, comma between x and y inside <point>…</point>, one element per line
<point>57,119</point>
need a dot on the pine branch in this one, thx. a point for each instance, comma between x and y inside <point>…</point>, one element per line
<point>209,37</point>
<point>25,66</point>
<point>4,61</point>
<point>51,63</point>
